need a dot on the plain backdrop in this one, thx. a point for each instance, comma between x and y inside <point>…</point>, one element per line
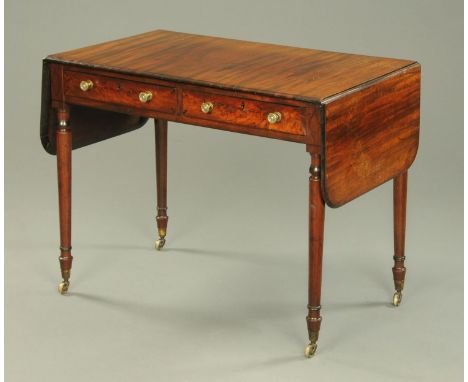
<point>226,300</point>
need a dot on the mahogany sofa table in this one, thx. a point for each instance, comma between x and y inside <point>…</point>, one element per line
<point>357,116</point>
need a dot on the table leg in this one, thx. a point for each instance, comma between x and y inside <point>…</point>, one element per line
<point>160,127</point>
<point>400,184</point>
<point>64,151</point>
<point>316,226</point>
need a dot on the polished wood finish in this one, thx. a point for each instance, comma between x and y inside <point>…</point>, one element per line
<point>160,129</point>
<point>120,92</point>
<point>357,115</point>
<point>400,185</point>
<point>371,135</point>
<point>244,112</point>
<point>268,69</point>
<point>64,150</point>
<point>316,228</point>
<point>303,119</point>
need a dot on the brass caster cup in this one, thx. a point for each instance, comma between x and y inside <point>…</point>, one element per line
<point>310,350</point>
<point>159,244</point>
<point>63,287</point>
<point>397,298</point>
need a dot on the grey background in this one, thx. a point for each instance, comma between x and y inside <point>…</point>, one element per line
<point>227,299</point>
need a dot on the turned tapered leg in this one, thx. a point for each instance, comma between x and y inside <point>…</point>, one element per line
<point>399,226</point>
<point>64,149</point>
<point>316,225</point>
<point>160,127</point>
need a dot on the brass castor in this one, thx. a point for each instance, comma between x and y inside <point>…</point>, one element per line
<point>159,243</point>
<point>63,287</point>
<point>397,298</point>
<point>310,350</point>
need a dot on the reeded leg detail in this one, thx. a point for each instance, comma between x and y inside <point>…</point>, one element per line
<point>64,149</point>
<point>400,184</point>
<point>316,226</point>
<point>160,127</point>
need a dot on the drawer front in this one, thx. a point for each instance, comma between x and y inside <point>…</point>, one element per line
<point>243,112</point>
<point>120,92</point>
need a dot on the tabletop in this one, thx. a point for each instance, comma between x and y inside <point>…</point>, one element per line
<point>276,70</point>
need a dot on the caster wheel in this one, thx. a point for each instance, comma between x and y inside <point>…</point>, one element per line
<point>159,244</point>
<point>397,299</point>
<point>63,287</point>
<point>310,350</point>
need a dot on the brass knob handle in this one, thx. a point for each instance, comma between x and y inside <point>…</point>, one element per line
<point>145,96</point>
<point>86,85</point>
<point>206,107</point>
<point>274,117</point>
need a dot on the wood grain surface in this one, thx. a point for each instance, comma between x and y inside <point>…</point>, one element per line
<point>269,69</point>
<point>370,135</point>
<point>172,101</point>
<point>119,91</point>
<point>244,112</point>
